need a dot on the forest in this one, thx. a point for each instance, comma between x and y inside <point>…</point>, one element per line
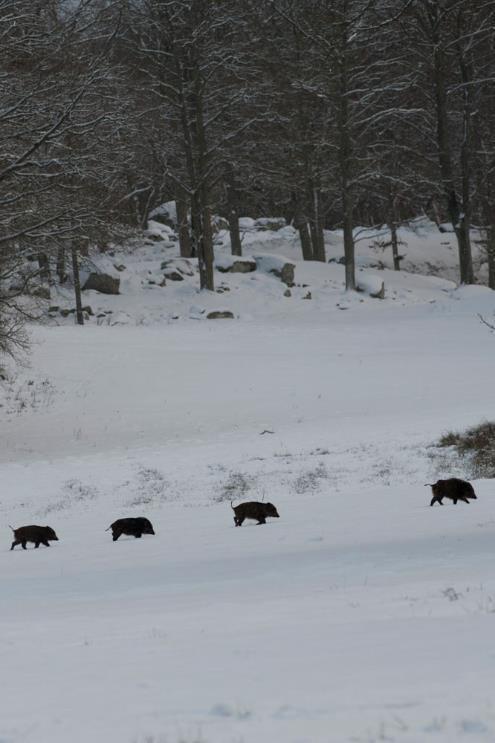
<point>329,113</point>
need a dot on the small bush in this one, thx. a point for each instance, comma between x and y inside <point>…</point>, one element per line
<point>310,481</point>
<point>236,486</point>
<point>475,448</point>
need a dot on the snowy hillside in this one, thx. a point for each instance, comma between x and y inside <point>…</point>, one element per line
<point>362,614</point>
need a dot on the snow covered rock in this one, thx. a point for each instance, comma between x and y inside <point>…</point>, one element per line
<point>165,214</point>
<point>277,265</point>
<point>246,224</point>
<point>182,265</point>
<point>172,275</point>
<point>103,283</point>
<point>235,264</point>
<point>371,285</point>
<point>42,292</point>
<point>270,223</point>
<point>220,315</point>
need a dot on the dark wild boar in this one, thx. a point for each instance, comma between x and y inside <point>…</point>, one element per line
<point>453,488</point>
<point>253,510</point>
<point>37,534</point>
<point>132,527</point>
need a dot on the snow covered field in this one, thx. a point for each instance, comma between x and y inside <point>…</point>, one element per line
<point>362,614</point>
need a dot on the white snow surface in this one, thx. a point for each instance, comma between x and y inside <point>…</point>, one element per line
<point>362,614</point>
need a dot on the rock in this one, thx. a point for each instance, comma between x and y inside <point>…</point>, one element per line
<point>287,293</point>
<point>278,266</point>
<point>54,308</point>
<point>218,224</point>
<point>246,224</point>
<point>234,264</point>
<point>372,286</point>
<point>270,223</point>
<point>165,214</point>
<point>43,292</point>
<point>380,294</point>
<point>182,265</point>
<point>66,312</point>
<point>308,296</point>
<point>103,283</point>
<point>285,274</point>
<point>154,237</point>
<point>220,315</point>
<point>174,276</point>
<point>88,310</point>
<point>119,266</point>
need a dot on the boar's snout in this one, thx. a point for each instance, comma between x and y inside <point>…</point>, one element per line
<point>272,511</point>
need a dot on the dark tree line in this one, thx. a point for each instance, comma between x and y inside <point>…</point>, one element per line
<point>332,113</point>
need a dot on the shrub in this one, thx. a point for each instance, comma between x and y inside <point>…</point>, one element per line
<point>474,447</point>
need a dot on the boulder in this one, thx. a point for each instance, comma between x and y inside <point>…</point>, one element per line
<point>235,264</point>
<point>220,315</point>
<point>373,286</point>
<point>174,276</point>
<point>165,214</point>
<point>42,292</point>
<point>218,224</point>
<point>103,283</point>
<point>182,265</point>
<point>278,266</point>
<point>270,223</point>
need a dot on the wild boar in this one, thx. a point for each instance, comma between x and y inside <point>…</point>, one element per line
<point>453,488</point>
<point>134,527</point>
<point>254,510</point>
<point>37,534</point>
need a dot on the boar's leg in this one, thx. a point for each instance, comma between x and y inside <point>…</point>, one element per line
<point>463,499</point>
<point>138,535</point>
<point>24,545</point>
<point>37,544</point>
<point>116,535</point>
<point>436,499</point>
<point>45,542</point>
<point>14,544</point>
<point>261,520</point>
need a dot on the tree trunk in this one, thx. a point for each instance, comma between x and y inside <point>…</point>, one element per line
<point>203,240</point>
<point>234,232</point>
<point>395,244</point>
<point>207,249</point>
<point>44,266</point>
<point>316,226</point>
<point>301,225</point>
<point>233,214</point>
<point>457,216</point>
<point>466,259</point>
<point>77,285</point>
<point>490,251</point>
<point>345,158</point>
<point>350,266</point>
<point>62,276</point>
<point>185,244</point>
